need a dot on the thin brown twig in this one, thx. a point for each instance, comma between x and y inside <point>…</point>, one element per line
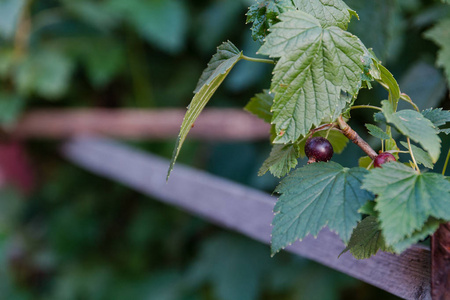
<point>355,138</point>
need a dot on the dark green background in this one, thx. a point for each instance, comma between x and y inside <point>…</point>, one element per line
<point>78,236</point>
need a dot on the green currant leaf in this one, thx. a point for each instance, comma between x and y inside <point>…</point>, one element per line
<point>315,65</point>
<point>445,130</point>
<point>317,195</point>
<point>368,209</point>
<point>281,160</point>
<point>221,63</point>
<point>260,106</point>
<point>11,108</point>
<point>365,162</point>
<point>377,132</point>
<point>441,36</point>
<point>218,68</point>
<point>238,277</point>
<point>414,125</point>
<point>366,239</point>
<point>429,228</point>
<point>421,156</point>
<point>388,81</point>
<point>164,24</point>
<point>46,73</point>
<point>406,199</point>
<point>263,14</point>
<point>10,11</point>
<point>437,116</point>
<point>328,12</point>
<point>379,118</point>
<point>336,138</point>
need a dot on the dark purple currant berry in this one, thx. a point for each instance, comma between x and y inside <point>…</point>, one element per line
<point>383,158</point>
<point>318,149</point>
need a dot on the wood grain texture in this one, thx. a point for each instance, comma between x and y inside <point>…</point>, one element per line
<point>440,263</point>
<point>212,124</point>
<point>245,210</point>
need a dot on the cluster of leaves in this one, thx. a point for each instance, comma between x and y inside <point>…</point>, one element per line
<point>319,71</point>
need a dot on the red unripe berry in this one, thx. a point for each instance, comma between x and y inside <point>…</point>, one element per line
<point>383,158</point>
<point>318,149</point>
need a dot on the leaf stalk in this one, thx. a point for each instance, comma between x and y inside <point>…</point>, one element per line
<point>446,162</point>
<point>412,155</point>
<point>366,106</point>
<point>261,60</point>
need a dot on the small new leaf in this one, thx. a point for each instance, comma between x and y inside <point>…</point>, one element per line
<point>406,199</point>
<point>260,106</point>
<point>218,68</point>
<point>314,196</point>
<point>379,118</point>
<point>377,132</point>
<point>263,14</point>
<point>414,125</point>
<point>328,12</point>
<point>366,239</point>
<point>368,209</point>
<point>281,160</point>
<point>315,65</point>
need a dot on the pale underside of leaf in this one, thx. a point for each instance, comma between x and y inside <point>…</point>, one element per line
<point>315,65</point>
<point>388,81</point>
<point>220,65</point>
<point>314,196</point>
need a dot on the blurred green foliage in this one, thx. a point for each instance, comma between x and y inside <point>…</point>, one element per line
<point>83,237</point>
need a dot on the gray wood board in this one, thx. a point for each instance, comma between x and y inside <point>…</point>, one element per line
<point>244,210</point>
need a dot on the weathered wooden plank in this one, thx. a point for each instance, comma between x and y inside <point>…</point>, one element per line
<point>440,263</point>
<point>245,210</point>
<point>212,124</point>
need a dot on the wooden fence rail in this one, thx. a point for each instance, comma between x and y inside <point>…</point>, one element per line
<point>213,124</point>
<point>244,210</point>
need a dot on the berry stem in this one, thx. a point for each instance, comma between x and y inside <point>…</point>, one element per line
<point>412,155</point>
<point>322,127</point>
<point>355,138</point>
